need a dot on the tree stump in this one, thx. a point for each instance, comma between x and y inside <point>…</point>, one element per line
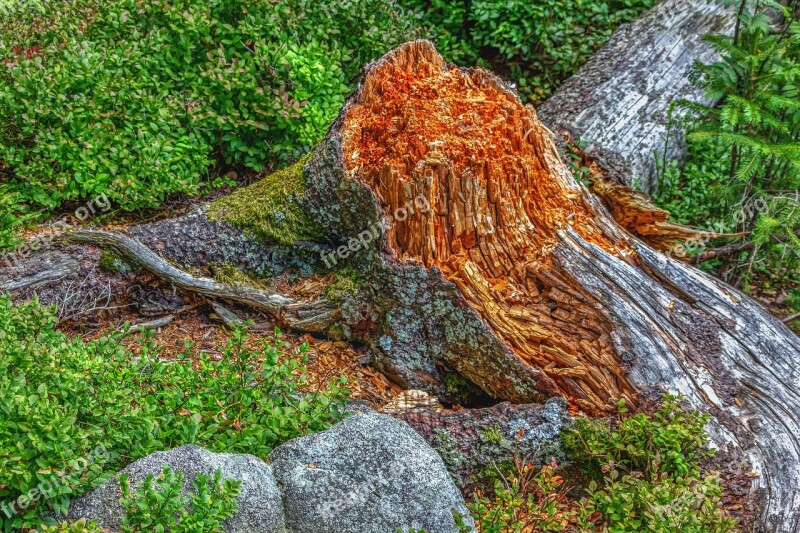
<point>486,257</point>
<point>479,264</point>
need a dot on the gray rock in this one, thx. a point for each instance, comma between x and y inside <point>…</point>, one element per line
<point>260,507</point>
<point>368,474</point>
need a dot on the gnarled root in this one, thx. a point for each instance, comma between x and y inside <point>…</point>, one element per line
<point>314,316</point>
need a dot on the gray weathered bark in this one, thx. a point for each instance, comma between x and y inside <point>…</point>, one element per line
<point>475,442</point>
<point>313,316</point>
<point>619,101</point>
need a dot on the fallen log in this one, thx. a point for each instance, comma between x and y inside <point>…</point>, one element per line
<point>618,103</point>
<point>476,259</point>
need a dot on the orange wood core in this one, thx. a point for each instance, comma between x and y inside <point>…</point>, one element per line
<point>481,192</point>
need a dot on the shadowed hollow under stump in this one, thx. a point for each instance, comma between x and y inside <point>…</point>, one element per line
<point>478,261</point>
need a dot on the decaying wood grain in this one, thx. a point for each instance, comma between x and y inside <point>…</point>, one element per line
<point>636,212</point>
<point>618,103</point>
<point>497,193</point>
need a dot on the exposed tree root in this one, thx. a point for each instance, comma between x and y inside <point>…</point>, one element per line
<point>305,316</point>
<point>52,267</point>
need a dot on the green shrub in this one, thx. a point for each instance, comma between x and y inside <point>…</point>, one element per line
<point>140,100</point>
<point>159,505</point>
<point>532,499</point>
<point>691,191</point>
<point>674,435</point>
<point>12,217</point>
<point>73,412</point>
<point>539,44</point>
<point>648,471</point>
<point>645,475</point>
<point>630,503</point>
<point>79,526</point>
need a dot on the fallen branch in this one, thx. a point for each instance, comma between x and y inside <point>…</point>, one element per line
<point>226,315</point>
<point>312,316</point>
<point>791,318</point>
<point>722,251</point>
<point>159,322</point>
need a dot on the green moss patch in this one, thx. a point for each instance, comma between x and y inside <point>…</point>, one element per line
<point>345,283</point>
<point>268,210</point>
<point>228,274</point>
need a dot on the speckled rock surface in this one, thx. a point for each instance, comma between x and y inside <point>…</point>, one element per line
<point>368,474</point>
<point>260,507</point>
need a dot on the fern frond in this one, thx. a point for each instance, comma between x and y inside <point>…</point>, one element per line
<point>737,139</point>
<point>724,44</point>
<point>764,228</point>
<point>746,171</point>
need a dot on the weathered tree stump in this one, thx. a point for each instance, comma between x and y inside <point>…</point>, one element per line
<point>477,261</point>
<point>519,280</point>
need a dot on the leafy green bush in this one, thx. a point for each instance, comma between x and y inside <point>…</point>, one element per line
<point>79,526</point>
<point>73,412</point>
<point>12,217</point>
<point>631,503</point>
<point>645,475</point>
<point>532,499</point>
<point>139,100</point>
<point>649,472</point>
<point>674,435</point>
<point>159,505</point>
<point>539,44</point>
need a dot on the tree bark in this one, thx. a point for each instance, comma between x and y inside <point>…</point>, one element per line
<point>475,443</point>
<point>618,103</point>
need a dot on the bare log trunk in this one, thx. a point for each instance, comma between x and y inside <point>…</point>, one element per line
<point>618,103</point>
